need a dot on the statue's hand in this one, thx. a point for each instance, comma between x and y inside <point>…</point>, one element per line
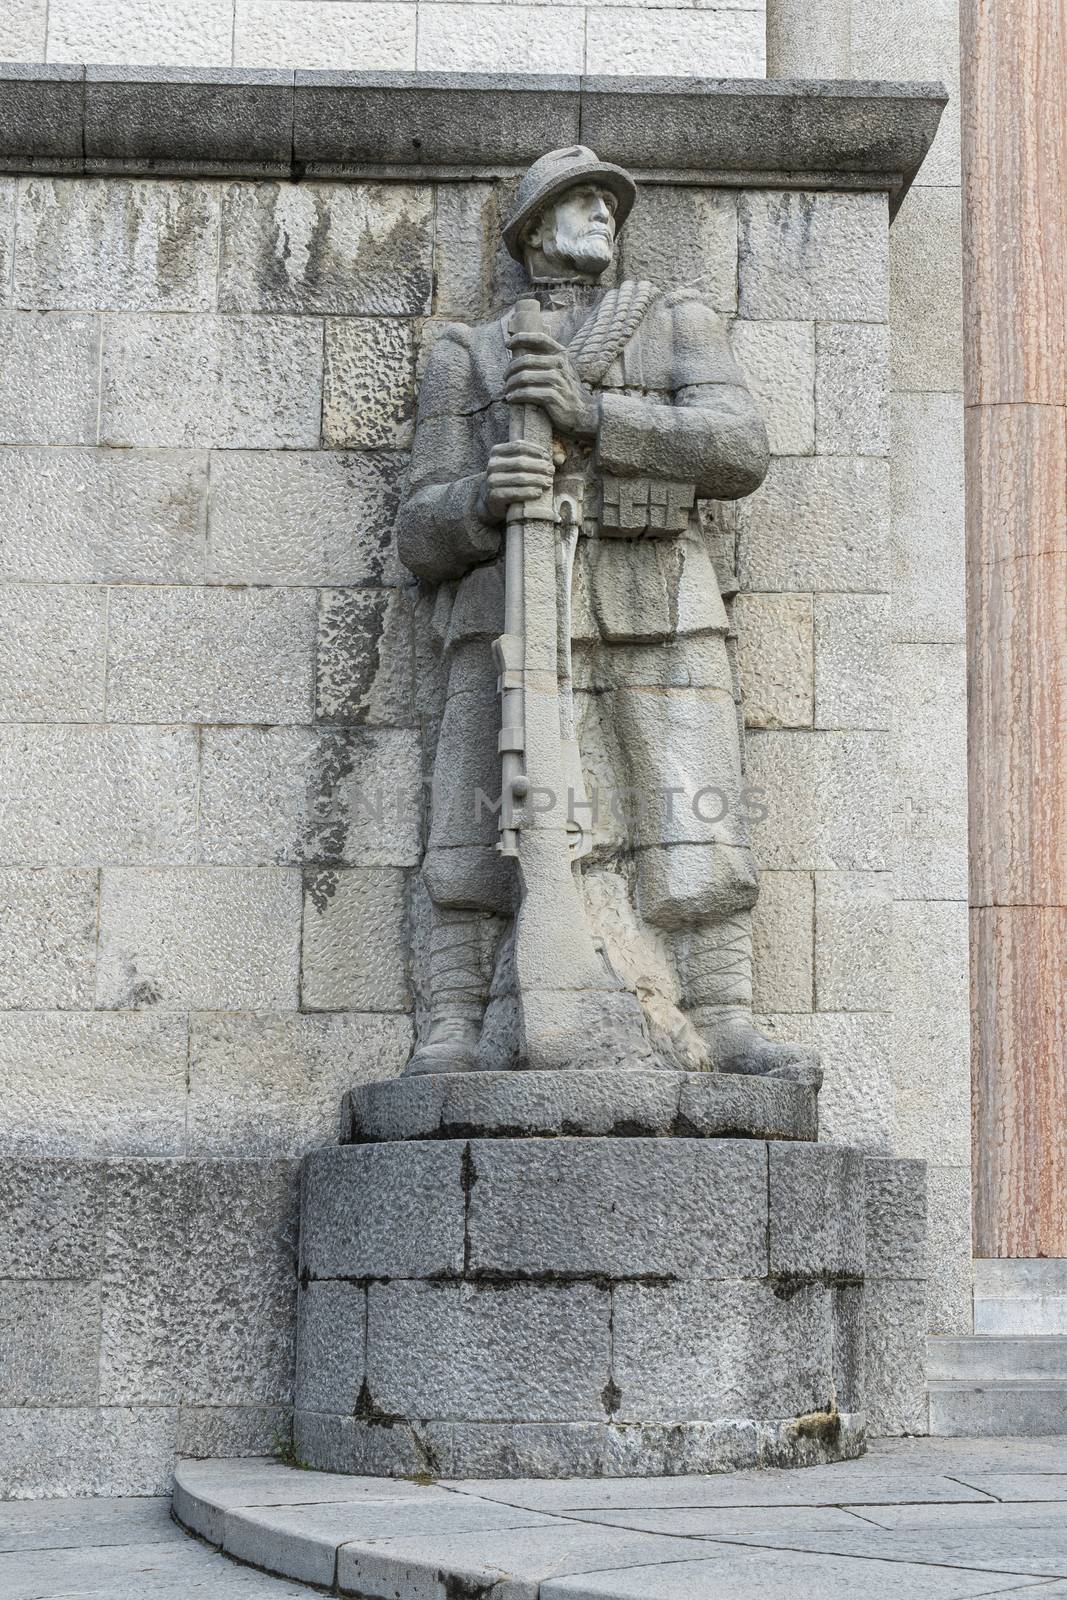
<point>542,374</point>
<point>516,471</point>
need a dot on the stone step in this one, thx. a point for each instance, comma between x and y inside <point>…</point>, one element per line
<point>1003,1408</point>
<point>982,1359</point>
<point>1020,1297</point>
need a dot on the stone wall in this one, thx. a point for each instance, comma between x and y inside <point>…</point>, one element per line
<point>716,40</point>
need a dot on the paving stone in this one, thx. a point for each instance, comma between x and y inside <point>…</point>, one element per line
<point>294,795</point>
<point>52,1524</point>
<point>856,1104</point>
<point>852,389</point>
<point>354,957</point>
<point>324,517</point>
<point>853,941</point>
<point>96,516</point>
<point>926,291</point>
<point>827,799</point>
<point>977,1549</point>
<point>333,35</point>
<point>365,659</point>
<point>100,30</point>
<point>782,942</point>
<point>272,1084</point>
<point>852,661</point>
<point>79,1084</point>
<point>896,1219</point>
<point>210,655</point>
<point>927,512</point>
<point>52,653</point>
<point>775,658</point>
<point>930,750</point>
<point>623,40</point>
<point>813,256</point>
<point>817,523</point>
<point>49,378</point>
<point>62,1451</point>
<point>368,398</point>
<point>817,1211</point>
<point>327,247</point>
<point>679,235</point>
<point>713,1522</point>
<point>524,1351</point>
<point>228,383</point>
<point>385,1211</point>
<point>48,1343</point>
<point>116,244</point>
<point>47,939</point>
<point>778,360</point>
<point>331,1346</point>
<point>50,1219</point>
<point>452,39</point>
<point>199,938</point>
<point>696,1350</point>
<point>618,1207</point>
<point>86,796</point>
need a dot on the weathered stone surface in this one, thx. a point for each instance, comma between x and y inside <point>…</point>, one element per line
<point>856,1104</point>
<point>451,40</point>
<point>782,942</point>
<point>852,661</point>
<point>89,244</point>
<point>618,1207</point>
<point>827,797</point>
<point>817,523</point>
<point>79,1084</point>
<point>354,956</point>
<point>896,1218</point>
<point>8,191</point>
<point>47,939</point>
<point>930,751</point>
<point>927,511</point>
<point>87,796</point>
<point>850,1348</point>
<point>817,256</point>
<point>526,1351</point>
<point>107,515</point>
<point>199,1282</point>
<point>80,1450</point>
<point>852,389</point>
<point>775,658</point>
<point>199,938</point>
<point>338,248</point>
<point>51,653</point>
<point>853,934</point>
<point>22,31</point>
<point>895,1319</point>
<point>464,214</point>
<point>48,1343</point>
<point>526,1104</point>
<point>228,383</point>
<point>272,1084</point>
<point>364,660</point>
<point>98,30</point>
<point>625,40</point>
<point>210,655</point>
<point>295,795</point>
<point>949,1266</point>
<point>919,42</point>
<point>817,1211</point>
<point>49,376</point>
<point>50,1218</point>
<point>678,235</point>
<point>368,396</point>
<point>377,37</point>
<point>331,1347</point>
<point>745,1352</point>
<point>149,118</point>
<point>323,517</point>
<point>225,1432</point>
<point>926,292</point>
<point>385,1211</point>
<point>778,360</point>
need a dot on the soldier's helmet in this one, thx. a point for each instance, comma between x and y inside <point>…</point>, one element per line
<point>553,175</point>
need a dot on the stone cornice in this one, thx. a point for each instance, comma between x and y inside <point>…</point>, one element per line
<point>243,123</point>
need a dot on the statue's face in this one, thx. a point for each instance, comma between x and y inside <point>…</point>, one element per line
<point>578,230</point>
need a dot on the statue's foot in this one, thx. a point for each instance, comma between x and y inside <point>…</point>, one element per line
<point>737,1045</point>
<point>449,1046</point>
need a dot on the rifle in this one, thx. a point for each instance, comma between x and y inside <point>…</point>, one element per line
<point>574,1012</point>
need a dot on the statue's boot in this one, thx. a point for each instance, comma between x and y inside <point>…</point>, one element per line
<point>459,990</point>
<point>715,963</point>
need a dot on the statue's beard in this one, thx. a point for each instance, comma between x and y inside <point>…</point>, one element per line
<point>589,252</point>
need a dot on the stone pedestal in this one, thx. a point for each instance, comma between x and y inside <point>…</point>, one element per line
<point>598,1305</point>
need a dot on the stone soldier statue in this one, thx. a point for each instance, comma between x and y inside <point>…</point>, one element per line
<point>649,412</point>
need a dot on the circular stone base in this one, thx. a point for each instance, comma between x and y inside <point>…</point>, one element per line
<point>518,1105</point>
